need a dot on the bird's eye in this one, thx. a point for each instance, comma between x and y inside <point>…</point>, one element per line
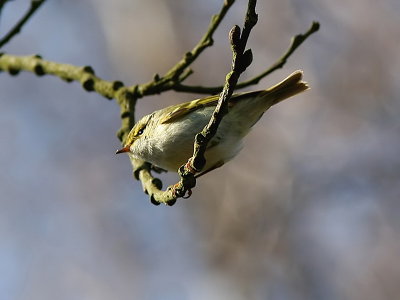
<point>140,131</point>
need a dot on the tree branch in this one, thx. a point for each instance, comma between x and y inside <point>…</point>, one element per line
<point>240,61</point>
<point>2,2</point>
<point>295,43</point>
<point>35,4</point>
<point>85,75</point>
<point>174,75</point>
<point>125,96</point>
<point>14,64</point>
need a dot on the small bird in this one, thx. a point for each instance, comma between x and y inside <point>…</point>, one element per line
<point>165,137</point>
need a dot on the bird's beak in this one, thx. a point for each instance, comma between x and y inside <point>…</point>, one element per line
<point>123,150</point>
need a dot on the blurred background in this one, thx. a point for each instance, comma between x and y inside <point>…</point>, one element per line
<point>309,209</point>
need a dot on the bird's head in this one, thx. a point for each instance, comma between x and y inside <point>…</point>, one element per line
<point>137,132</point>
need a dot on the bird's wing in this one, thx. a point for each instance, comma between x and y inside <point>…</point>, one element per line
<point>181,110</point>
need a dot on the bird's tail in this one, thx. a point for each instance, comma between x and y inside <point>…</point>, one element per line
<point>287,88</point>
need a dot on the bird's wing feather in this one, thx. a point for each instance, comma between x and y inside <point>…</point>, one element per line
<point>181,110</point>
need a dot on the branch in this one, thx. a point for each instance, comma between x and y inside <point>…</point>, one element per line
<point>295,43</point>
<point>2,2</point>
<point>240,61</point>
<point>90,82</point>
<point>85,75</point>
<point>35,4</point>
<point>173,76</point>
<point>125,96</point>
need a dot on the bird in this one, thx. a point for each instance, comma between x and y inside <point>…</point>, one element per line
<point>165,137</point>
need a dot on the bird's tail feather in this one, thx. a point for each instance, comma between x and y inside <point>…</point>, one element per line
<point>287,88</point>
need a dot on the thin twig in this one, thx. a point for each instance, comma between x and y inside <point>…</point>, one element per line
<point>18,26</point>
<point>295,43</point>
<point>173,75</point>
<point>2,2</point>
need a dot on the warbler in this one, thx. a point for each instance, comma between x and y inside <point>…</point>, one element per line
<point>165,137</point>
